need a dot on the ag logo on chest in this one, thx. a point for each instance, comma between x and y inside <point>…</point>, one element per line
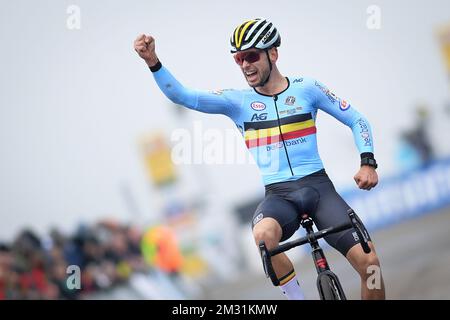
<point>259,117</point>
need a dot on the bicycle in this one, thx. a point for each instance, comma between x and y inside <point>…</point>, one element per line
<point>328,283</point>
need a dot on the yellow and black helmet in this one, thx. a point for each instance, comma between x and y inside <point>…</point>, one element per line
<point>257,33</point>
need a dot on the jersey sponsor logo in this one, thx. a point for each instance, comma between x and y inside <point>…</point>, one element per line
<point>290,101</point>
<point>286,143</point>
<point>295,142</point>
<point>274,146</point>
<point>290,111</point>
<point>365,135</point>
<point>297,80</point>
<point>264,133</point>
<point>330,95</point>
<point>258,106</point>
<point>259,117</point>
<point>333,95</point>
<point>258,218</point>
<point>344,105</point>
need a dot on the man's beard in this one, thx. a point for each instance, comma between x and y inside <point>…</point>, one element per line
<point>262,81</point>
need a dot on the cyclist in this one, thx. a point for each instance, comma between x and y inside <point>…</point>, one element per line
<point>276,117</point>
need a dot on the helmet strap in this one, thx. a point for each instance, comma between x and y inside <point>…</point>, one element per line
<point>270,68</point>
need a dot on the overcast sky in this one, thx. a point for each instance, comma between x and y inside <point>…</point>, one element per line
<point>74,103</point>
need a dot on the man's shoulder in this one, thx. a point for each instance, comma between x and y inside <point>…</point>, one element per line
<point>306,85</point>
<point>303,81</point>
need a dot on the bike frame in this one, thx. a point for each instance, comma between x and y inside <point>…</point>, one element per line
<point>318,255</point>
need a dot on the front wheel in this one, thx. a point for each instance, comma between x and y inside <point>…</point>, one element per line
<point>329,287</point>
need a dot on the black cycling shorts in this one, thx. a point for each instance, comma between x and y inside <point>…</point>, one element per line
<point>282,203</point>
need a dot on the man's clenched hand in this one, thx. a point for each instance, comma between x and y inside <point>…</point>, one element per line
<point>145,47</point>
<point>366,178</point>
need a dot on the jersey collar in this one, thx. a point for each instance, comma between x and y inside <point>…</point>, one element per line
<point>276,94</point>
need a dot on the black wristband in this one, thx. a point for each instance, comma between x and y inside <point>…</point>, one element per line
<point>367,155</point>
<point>369,162</point>
<point>156,67</point>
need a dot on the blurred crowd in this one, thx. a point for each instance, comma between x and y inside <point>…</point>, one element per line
<point>415,149</point>
<point>33,267</point>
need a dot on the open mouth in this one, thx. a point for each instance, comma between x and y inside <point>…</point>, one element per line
<point>250,75</point>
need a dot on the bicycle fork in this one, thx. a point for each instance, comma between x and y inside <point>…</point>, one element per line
<point>317,253</point>
<point>320,262</point>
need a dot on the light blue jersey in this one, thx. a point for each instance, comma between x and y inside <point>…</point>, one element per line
<point>279,130</point>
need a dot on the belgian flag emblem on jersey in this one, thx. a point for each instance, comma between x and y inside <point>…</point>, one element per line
<point>262,133</point>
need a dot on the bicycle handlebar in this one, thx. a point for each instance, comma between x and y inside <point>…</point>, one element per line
<point>354,223</point>
<point>316,235</point>
<point>311,237</point>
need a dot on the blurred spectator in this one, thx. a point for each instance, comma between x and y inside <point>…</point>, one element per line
<point>408,157</point>
<point>36,268</point>
<point>415,149</point>
<point>419,135</point>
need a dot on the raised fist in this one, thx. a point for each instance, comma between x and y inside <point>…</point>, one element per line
<point>145,47</point>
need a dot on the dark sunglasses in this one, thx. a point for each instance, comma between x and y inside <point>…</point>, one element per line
<point>250,57</point>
